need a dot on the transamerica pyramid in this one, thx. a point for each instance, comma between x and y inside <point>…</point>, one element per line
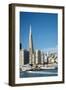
<point>31,49</point>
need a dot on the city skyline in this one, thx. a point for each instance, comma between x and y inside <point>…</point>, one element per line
<point>32,59</point>
<point>44,33</point>
<point>35,57</point>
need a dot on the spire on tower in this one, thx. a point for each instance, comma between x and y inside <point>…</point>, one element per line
<point>30,29</point>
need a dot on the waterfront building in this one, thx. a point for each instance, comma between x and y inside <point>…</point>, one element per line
<point>37,57</point>
<point>21,61</point>
<point>24,57</point>
<point>46,58</point>
<point>42,57</point>
<point>52,58</point>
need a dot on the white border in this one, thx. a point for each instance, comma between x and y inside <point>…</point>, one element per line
<point>17,23</point>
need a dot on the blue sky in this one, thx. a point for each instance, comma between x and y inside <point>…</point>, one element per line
<point>44,29</point>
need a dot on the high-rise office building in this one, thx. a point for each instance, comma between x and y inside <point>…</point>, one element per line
<point>37,57</point>
<point>31,49</point>
<point>42,57</point>
<point>24,57</point>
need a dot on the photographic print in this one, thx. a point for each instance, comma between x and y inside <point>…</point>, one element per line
<point>36,44</point>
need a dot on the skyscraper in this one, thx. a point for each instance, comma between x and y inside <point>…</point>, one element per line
<point>31,49</point>
<point>37,57</point>
<point>24,57</point>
